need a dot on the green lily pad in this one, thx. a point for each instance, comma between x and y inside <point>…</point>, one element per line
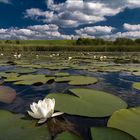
<point>30,66</point>
<point>127,120</point>
<point>77,80</point>
<point>62,74</point>
<point>136,85</point>
<point>67,136</point>
<point>7,94</point>
<point>29,79</point>
<point>8,75</point>
<point>104,133</point>
<point>87,102</point>
<point>13,127</point>
<point>77,67</point>
<point>136,73</point>
<point>55,67</point>
<point>22,70</point>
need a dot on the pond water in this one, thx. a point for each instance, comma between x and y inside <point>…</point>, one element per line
<point>118,82</point>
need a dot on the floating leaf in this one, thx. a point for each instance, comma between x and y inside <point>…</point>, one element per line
<point>29,79</point>
<point>7,94</point>
<point>67,136</point>
<point>22,70</point>
<point>136,73</point>
<point>127,120</point>
<point>13,127</point>
<point>62,74</point>
<point>77,80</point>
<point>104,133</point>
<point>88,102</point>
<point>136,85</point>
<point>8,75</point>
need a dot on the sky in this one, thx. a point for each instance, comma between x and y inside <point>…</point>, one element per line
<point>66,19</point>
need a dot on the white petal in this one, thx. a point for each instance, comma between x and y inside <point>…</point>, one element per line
<point>57,114</point>
<point>39,103</point>
<point>53,103</point>
<point>33,108</point>
<point>33,115</point>
<point>42,120</point>
<point>43,111</point>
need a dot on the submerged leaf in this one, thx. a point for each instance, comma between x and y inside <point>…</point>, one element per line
<point>7,94</point>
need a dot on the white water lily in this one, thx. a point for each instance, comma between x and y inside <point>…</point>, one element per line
<point>69,58</point>
<point>43,110</point>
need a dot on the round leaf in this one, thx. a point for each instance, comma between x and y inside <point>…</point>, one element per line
<point>88,102</point>
<point>14,127</point>
<point>127,120</point>
<point>136,85</point>
<point>77,80</point>
<point>104,133</point>
<point>67,136</point>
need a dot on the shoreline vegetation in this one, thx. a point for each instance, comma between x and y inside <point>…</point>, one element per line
<point>81,44</point>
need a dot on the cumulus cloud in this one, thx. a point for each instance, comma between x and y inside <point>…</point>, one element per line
<point>51,31</point>
<point>130,27</point>
<point>95,30</point>
<point>36,32</point>
<point>127,34</point>
<point>73,13</point>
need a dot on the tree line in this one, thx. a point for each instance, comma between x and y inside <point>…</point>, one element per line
<point>99,41</point>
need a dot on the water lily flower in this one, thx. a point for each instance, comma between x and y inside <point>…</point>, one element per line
<point>19,56</point>
<point>43,110</point>
<point>70,58</point>
<point>94,56</point>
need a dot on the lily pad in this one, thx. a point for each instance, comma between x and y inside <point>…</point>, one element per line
<point>29,79</point>
<point>77,80</point>
<point>8,75</point>
<point>127,120</point>
<point>22,70</point>
<point>136,85</point>
<point>87,102</point>
<point>13,127</point>
<point>62,74</point>
<point>36,66</point>
<point>7,94</point>
<point>104,133</point>
<point>136,73</point>
<point>67,136</point>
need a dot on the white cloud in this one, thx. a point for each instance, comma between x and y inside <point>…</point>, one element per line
<point>51,31</point>
<point>73,13</point>
<point>36,32</point>
<point>128,34</point>
<point>95,30</point>
<point>5,1</point>
<point>130,27</point>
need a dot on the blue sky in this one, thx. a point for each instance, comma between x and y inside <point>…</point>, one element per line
<point>64,19</point>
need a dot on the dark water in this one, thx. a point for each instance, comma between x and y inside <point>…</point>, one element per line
<point>117,83</point>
